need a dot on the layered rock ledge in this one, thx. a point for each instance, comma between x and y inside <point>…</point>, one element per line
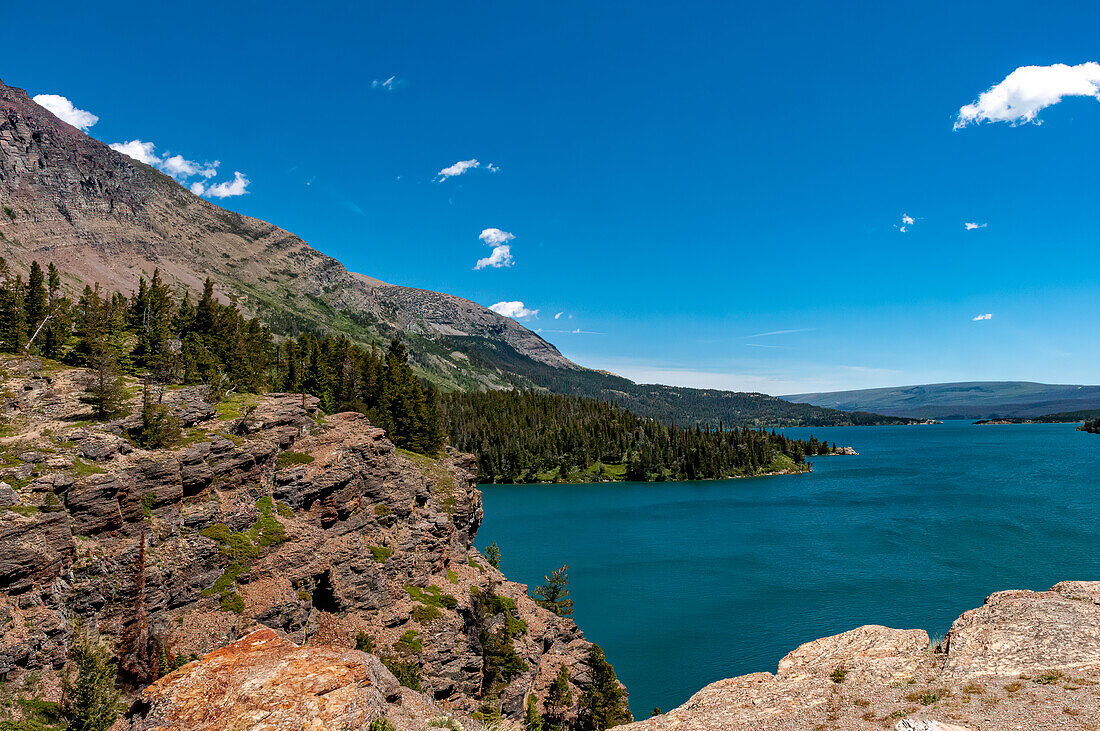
<point>266,516</point>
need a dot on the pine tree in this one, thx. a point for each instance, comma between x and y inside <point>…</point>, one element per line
<point>554,594</point>
<point>90,701</point>
<point>36,297</point>
<point>103,386</point>
<point>559,701</point>
<point>532,721</point>
<point>603,703</point>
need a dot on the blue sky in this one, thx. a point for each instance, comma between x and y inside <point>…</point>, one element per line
<point>713,194</point>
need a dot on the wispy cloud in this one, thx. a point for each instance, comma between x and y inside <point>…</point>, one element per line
<point>762,345</point>
<point>575,331</point>
<point>970,225</point>
<point>64,110</point>
<point>391,84</point>
<point>514,309</point>
<point>781,332</point>
<point>1029,89</point>
<point>986,316</point>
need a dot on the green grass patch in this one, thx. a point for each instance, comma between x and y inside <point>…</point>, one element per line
<point>410,643</point>
<point>81,468</point>
<point>25,510</point>
<point>236,405</point>
<point>290,459</point>
<point>452,576</point>
<point>431,596</point>
<point>380,553</point>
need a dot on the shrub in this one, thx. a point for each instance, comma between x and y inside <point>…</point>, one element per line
<point>425,614</point>
<point>364,642</point>
<point>839,674</point>
<point>383,510</point>
<point>381,724</point>
<point>409,643</point>
<point>406,672</point>
<point>232,603</point>
<point>148,501</point>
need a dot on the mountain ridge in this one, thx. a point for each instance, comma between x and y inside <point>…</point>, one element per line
<point>962,400</point>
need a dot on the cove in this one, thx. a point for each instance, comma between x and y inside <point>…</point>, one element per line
<point>686,583</point>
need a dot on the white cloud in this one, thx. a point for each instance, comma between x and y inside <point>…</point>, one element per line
<point>514,310</point>
<point>64,110</point>
<point>986,316</point>
<point>229,188</point>
<point>179,167</point>
<point>389,84</point>
<point>492,168</point>
<point>906,222</point>
<point>140,151</point>
<point>970,225</point>
<point>459,168</point>
<point>1029,89</point>
<point>495,237</point>
<point>198,188</point>
<point>558,316</point>
<point>501,256</point>
<point>502,252</point>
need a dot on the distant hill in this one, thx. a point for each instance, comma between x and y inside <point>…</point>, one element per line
<point>105,218</point>
<point>967,400</point>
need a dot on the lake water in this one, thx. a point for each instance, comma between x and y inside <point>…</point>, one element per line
<point>683,584</point>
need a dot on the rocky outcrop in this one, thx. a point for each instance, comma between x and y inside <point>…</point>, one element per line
<point>265,681</point>
<point>1023,660</point>
<point>267,515</point>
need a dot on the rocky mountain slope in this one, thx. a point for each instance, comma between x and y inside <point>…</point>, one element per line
<point>968,400</point>
<point>265,516</point>
<point>1023,660</point>
<point>105,218</point>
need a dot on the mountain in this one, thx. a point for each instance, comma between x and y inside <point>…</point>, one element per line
<point>105,218</point>
<point>967,400</point>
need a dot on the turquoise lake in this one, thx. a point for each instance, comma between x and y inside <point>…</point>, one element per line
<point>683,584</point>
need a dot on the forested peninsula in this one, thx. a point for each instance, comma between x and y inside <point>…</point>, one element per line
<point>523,437</point>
